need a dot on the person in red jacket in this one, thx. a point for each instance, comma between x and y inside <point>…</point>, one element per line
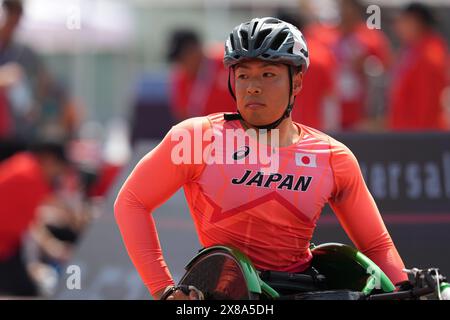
<point>198,78</point>
<point>315,105</point>
<point>420,78</point>
<point>26,181</point>
<point>355,46</point>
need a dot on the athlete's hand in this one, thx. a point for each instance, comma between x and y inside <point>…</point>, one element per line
<point>179,295</point>
<point>189,293</point>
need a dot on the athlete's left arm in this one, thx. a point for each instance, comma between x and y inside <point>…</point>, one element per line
<point>358,214</point>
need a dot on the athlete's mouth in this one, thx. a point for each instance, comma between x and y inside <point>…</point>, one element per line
<point>255,105</point>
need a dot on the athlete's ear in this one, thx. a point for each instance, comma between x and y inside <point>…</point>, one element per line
<point>297,83</point>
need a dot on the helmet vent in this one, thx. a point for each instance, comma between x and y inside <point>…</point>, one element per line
<point>244,36</point>
<point>281,37</point>
<point>261,36</point>
<point>305,53</point>
<point>254,28</point>
<point>232,41</point>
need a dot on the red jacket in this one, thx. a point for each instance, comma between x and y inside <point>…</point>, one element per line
<point>352,51</point>
<point>416,96</point>
<point>23,188</point>
<point>204,94</point>
<point>316,87</point>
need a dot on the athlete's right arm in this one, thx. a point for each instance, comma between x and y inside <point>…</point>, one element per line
<point>154,179</point>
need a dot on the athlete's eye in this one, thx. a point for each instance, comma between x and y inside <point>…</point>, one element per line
<point>242,76</point>
<point>268,75</point>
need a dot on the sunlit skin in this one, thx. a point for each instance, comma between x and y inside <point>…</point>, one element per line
<point>262,93</point>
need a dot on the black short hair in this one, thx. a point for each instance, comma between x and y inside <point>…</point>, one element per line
<point>179,41</point>
<point>420,12</point>
<point>54,149</point>
<point>13,6</point>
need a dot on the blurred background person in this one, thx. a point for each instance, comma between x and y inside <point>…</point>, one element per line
<point>27,179</point>
<point>416,97</point>
<point>21,75</point>
<point>316,104</point>
<point>355,47</point>
<point>54,233</point>
<point>33,103</point>
<point>198,78</point>
<point>58,114</point>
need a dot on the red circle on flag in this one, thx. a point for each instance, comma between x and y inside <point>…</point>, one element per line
<point>305,160</point>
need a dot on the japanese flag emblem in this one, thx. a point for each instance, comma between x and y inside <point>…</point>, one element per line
<point>305,160</point>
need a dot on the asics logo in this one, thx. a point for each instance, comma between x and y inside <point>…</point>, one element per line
<point>240,154</point>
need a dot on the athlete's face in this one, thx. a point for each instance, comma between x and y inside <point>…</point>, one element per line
<point>408,28</point>
<point>262,90</point>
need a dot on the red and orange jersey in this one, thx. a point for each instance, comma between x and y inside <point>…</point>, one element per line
<point>267,211</point>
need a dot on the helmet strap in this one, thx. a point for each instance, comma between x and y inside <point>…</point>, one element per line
<point>230,88</point>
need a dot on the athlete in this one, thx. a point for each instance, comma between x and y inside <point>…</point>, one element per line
<point>269,211</point>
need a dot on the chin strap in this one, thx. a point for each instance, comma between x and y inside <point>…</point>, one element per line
<point>237,115</point>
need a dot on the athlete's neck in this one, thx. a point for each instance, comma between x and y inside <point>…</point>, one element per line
<point>288,133</point>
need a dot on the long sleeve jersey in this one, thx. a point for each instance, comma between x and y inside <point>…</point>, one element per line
<point>261,199</point>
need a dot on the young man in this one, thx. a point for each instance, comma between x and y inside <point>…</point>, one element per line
<point>268,213</point>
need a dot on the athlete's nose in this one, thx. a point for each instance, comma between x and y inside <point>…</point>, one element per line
<point>253,88</point>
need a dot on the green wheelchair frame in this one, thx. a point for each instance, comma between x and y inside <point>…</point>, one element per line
<point>344,268</point>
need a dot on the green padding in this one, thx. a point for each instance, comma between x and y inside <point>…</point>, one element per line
<point>347,268</point>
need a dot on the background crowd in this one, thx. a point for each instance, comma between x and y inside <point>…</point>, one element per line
<point>71,111</point>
